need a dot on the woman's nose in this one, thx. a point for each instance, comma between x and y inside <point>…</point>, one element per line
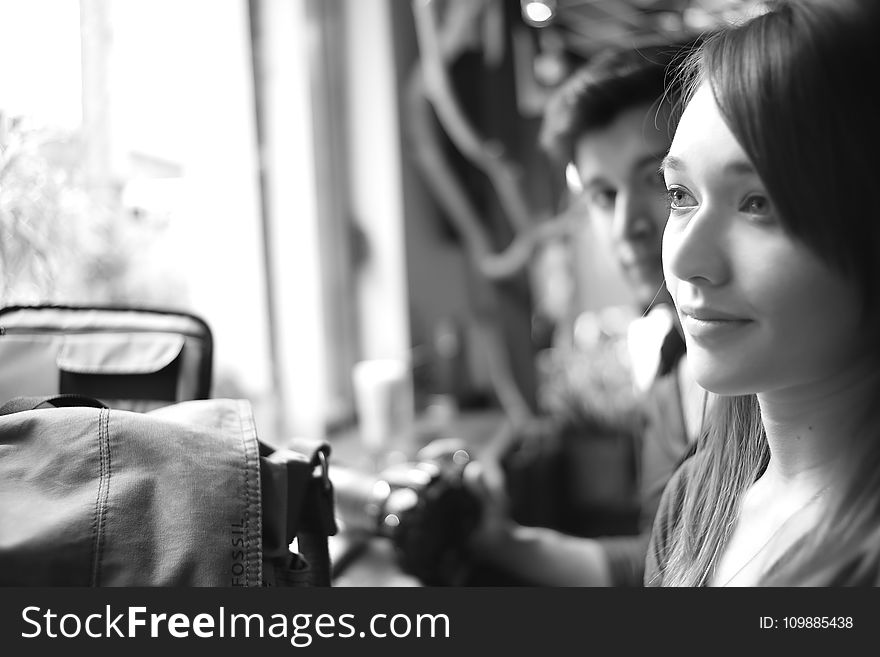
<point>694,250</point>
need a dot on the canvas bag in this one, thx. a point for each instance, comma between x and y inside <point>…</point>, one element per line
<point>184,495</point>
<point>134,358</point>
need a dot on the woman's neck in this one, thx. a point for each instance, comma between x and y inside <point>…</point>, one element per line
<point>809,425</point>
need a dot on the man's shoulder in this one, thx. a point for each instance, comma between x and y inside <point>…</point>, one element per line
<point>648,340</point>
<point>668,517</point>
<point>687,466</point>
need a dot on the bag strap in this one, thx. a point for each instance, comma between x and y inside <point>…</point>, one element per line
<point>318,520</point>
<point>18,404</point>
<point>297,503</point>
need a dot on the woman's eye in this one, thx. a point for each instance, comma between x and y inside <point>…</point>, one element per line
<point>757,205</point>
<point>678,198</point>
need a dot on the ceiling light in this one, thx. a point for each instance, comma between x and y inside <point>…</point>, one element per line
<point>538,12</point>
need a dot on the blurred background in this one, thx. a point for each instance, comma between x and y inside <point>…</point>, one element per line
<point>323,181</point>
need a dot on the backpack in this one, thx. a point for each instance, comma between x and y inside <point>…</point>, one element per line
<point>183,495</point>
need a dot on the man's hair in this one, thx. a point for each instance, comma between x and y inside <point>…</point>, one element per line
<point>609,84</point>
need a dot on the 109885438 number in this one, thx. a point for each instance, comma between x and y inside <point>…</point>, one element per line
<point>816,622</point>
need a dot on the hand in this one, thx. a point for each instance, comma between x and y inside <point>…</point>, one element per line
<point>485,480</point>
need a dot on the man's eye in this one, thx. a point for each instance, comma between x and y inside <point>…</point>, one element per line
<point>679,198</point>
<point>603,198</point>
<point>655,178</point>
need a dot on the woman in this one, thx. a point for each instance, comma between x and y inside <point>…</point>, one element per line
<point>772,256</point>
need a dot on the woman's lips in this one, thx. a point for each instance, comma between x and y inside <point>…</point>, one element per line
<point>708,323</point>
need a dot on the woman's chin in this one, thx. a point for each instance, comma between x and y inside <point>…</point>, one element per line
<point>717,382</point>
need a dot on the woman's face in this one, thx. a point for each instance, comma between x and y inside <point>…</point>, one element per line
<point>760,311</point>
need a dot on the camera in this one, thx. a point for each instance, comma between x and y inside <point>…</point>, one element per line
<point>422,506</point>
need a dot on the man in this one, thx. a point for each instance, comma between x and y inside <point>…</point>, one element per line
<point>612,120</point>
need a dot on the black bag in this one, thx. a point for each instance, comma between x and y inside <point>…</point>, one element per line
<point>128,357</point>
<point>183,495</point>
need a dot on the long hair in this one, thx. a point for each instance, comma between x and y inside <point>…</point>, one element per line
<point>791,86</point>
<point>732,454</point>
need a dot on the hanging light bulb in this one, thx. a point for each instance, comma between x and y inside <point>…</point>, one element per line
<point>538,12</point>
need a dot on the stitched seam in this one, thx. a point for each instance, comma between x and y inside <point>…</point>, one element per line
<point>105,413</point>
<point>247,501</point>
<point>99,522</point>
<point>95,518</point>
<point>254,535</point>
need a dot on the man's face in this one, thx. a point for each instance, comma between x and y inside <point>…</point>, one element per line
<point>624,192</point>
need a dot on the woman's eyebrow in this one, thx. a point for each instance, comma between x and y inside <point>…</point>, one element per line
<point>740,167</point>
<point>671,162</point>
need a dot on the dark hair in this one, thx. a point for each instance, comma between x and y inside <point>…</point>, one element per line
<point>607,85</point>
<point>791,85</point>
<point>794,90</point>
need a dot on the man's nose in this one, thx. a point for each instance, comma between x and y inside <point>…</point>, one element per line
<point>633,218</point>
